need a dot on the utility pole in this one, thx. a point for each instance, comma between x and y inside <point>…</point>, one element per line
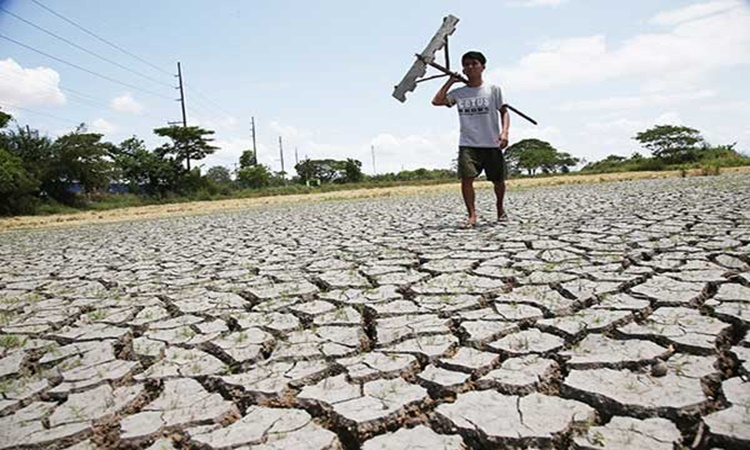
<point>255,151</point>
<point>372,149</point>
<point>182,102</point>
<point>296,157</point>
<point>281,153</point>
<point>182,95</point>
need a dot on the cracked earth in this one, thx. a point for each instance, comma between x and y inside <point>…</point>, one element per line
<point>600,316</point>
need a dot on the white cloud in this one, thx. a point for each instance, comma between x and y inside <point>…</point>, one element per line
<point>620,103</point>
<point>23,87</point>
<point>228,153</point>
<point>550,134</point>
<point>225,123</point>
<point>698,44</point>
<point>395,153</point>
<point>126,103</point>
<point>627,126</point>
<point>737,106</point>
<point>597,139</point>
<point>289,132</point>
<point>101,126</point>
<point>668,118</point>
<point>693,12</point>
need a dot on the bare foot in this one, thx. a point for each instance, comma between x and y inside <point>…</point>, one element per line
<point>502,216</point>
<point>471,222</point>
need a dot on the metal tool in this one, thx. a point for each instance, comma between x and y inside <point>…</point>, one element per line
<point>418,70</point>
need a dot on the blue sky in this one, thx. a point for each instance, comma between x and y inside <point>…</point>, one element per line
<point>320,74</point>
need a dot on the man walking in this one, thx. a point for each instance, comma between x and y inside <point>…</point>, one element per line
<point>482,139</point>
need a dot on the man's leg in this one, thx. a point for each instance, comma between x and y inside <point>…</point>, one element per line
<point>467,190</point>
<point>497,174</point>
<point>469,167</point>
<point>500,198</point>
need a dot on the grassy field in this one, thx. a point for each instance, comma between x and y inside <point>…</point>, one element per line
<point>207,207</point>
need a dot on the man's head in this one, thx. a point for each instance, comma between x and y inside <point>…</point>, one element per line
<point>473,56</point>
<point>473,63</point>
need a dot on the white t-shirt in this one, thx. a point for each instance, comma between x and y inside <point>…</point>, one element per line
<point>478,114</point>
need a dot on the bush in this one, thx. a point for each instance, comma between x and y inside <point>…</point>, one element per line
<point>17,188</point>
<point>254,177</point>
<point>710,170</point>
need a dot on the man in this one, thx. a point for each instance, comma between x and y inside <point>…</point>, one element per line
<point>482,140</point>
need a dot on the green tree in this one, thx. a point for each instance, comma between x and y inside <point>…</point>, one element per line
<point>674,144</point>
<point>534,154</point>
<point>78,157</point>
<point>329,170</point>
<point>145,171</point>
<point>254,177</point>
<point>188,143</point>
<point>316,169</point>
<point>352,171</point>
<point>34,150</point>
<point>16,187</point>
<point>219,175</point>
<point>565,161</point>
<point>248,159</point>
<point>4,119</point>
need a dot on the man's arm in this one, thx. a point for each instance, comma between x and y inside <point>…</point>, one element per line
<point>441,98</point>
<point>505,121</point>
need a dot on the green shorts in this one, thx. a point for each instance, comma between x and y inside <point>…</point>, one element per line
<point>472,160</point>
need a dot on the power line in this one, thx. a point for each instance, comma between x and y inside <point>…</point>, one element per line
<point>211,102</point>
<point>52,87</point>
<point>91,33</point>
<point>43,114</point>
<point>131,86</point>
<point>83,49</point>
<point>86,100</point>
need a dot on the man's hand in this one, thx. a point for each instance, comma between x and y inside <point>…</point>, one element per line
<point>441,98</point>
<point>503,140</point>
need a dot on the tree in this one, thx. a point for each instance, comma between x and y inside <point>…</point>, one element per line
<point>248,159</point>
<point>188,143</point>
<point>77,157</point>
<point>533,154</point>
<point>329,170</point>
<point>219,175</point>
<point>674,144</point>
<point>254,176</point>
<point>565,161</point>
<point>146,171</point>
<point>34,150</point>
<point>16,187</point>
<point>352,171</point>
<point>4,119</point>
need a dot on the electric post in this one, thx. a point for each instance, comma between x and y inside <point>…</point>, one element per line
<point>182,102</point>
<point>255,151</point>
<point>281,155</point>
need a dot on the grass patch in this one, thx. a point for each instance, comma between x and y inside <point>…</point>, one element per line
<point>8,341</point>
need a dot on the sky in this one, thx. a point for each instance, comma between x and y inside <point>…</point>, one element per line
<point>320,74</point>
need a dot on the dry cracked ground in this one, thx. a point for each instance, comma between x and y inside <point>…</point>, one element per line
<point>600,316</point>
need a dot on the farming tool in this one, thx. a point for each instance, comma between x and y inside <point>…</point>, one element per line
<point>418,70</point>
